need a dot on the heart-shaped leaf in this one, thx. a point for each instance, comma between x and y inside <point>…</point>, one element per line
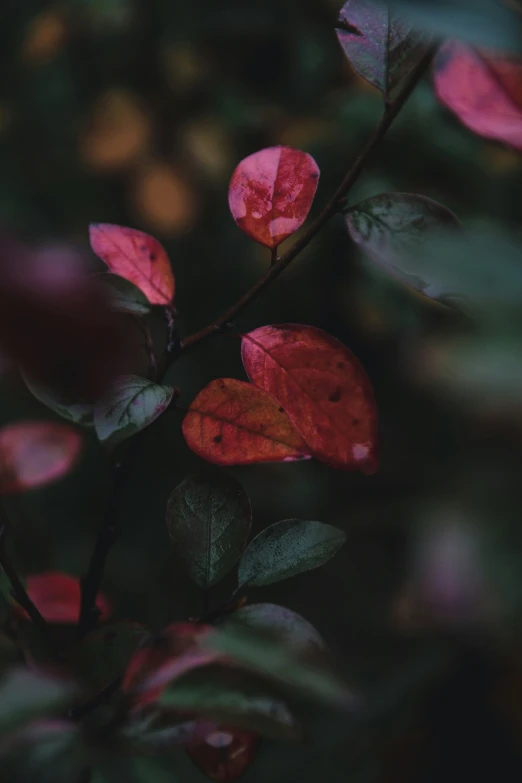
<point>271,192</point>
<point>209,518</point>
<point>137,257</point>
<point>322,387</point>
<point>234,423</point>
<point>392,227</point>
<point>233,697</point>
<point>381,46</point>
<point>77,413</point>
<point>221,754</point>
<point>484,93</point>
<point>132,405</point>
<point>288,548</point>
<point>278,619</point>
<point>57,597</point>
<point>124,296</point>
<point>34,453</point>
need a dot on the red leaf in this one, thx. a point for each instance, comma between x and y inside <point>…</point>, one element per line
<point>222,754</point>
<point>323,388</point>
<point>57,597</point>
<point>484,93</point>
<point>234,423</point>
<point>271,192</point>
<point>151,668</point>
<point>33,453</point>
<point>137,257</point>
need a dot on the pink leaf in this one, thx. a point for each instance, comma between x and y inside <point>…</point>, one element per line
<point>57,597</point>
<point>323,388</point>
<point>137,257</point>
<point>271,193</point>
<point>484,93</point>
<point>33,453</point>
<point>234,423</point>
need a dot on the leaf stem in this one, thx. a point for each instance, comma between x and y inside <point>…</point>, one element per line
<point>280,264</point>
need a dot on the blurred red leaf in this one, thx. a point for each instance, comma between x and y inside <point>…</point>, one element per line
<point>173,653</point>
<point>231,422</point>
<point>222,754</point>
<point>271,192</point>
<point>57,597</point>
<point>56,323</point>
<point>34,453</point>
<point>485,93</point>
<point>323,388</point>
<point>137,257</point>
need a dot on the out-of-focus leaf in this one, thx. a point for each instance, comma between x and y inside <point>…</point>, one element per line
<point>157,730</point>
<point>323,388</point>
<point>49,751</point>
<point>27,694</point>
<point>288,548</point>
<point>308,674</point>
<point>222,755</point>
<point>231,422</point>
<point>106,652</point>
<point>271,192</point>
<point>9,652</point>
<point>209,517</point>
<point>132,770</point>
<point>484,93</point>
<point>293,628</point>
<point>57,597</point>
<point>392,227</point>
<point>77,413</point>
<point>137,257</point>
<point>131,405</point>
<point>124,296</point>
<point>232,697</point>
<point>382,46</point>
<point>35,453</point>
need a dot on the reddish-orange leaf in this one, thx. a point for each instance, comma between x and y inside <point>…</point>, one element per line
<point>57,597</point>
<point>484,93</point>
<point>222,754</point>
<point>137,257</point>
<point>33,453</point>
<point>234,423</point>
<point>323,388</point>
<point>271,193</point>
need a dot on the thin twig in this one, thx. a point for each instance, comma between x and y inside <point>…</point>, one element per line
<point>20,595</point>
<point>328,211</point>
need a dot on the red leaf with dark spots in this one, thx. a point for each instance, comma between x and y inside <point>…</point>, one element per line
<point>34,453</point>
<point>137,257</point>
<point>271,193</point>
<point>323,388</point>
<point>57,597</point>
<point>222,754</point>
<point>485,93</point>
<point>234,423</point>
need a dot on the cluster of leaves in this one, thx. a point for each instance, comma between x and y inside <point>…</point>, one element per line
<point>92,689</point>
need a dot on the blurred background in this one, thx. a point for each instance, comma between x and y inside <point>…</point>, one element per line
<point>136,112</point>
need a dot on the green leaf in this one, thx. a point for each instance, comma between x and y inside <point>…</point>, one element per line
<point>232,697</point>
<point>157,730</point>
<point>209,518</point>
<point>393,227</point>
<point>26,694</point>
<point>132,405</point>
<point>105,652</point>
<point>46,751</point>
<point>124,296</point>
<point>278,619</point>
<point>306,673</point>
<point>76,412</point>
<point>382,47</point>
<point>288,548</point>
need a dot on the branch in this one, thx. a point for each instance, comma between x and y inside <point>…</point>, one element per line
<point>20,595</point>
<point>280,264</point>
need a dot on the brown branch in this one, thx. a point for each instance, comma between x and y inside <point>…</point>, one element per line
<point>280,264</point>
